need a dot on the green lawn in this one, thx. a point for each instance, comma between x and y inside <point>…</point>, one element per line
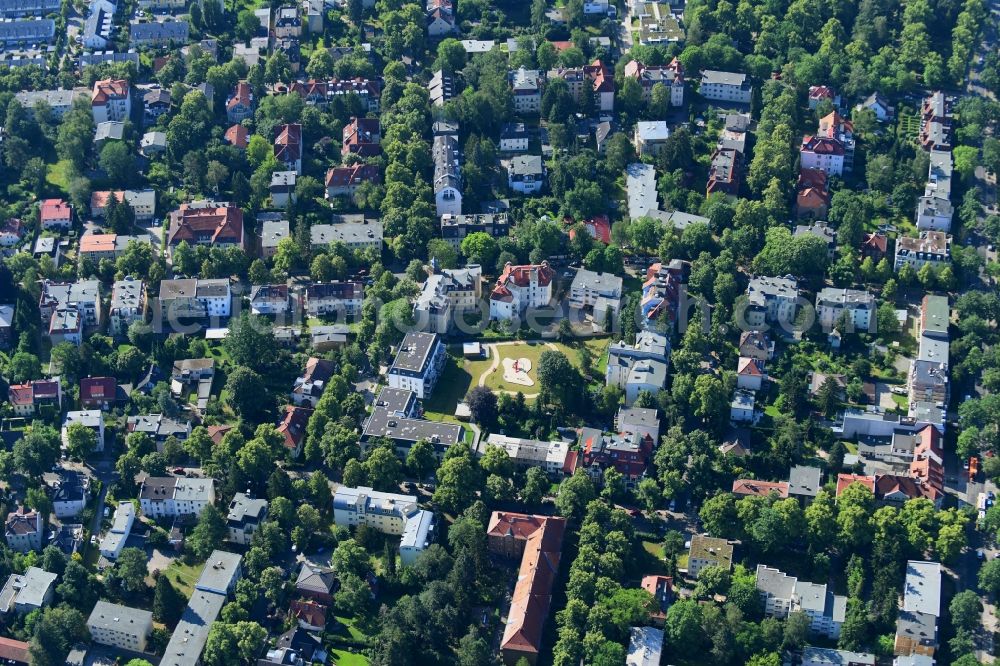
<point>450,390</point>
<point>347,627</point>
<point>184,576</point>
<point>57,174</point>
<point>345,658</point>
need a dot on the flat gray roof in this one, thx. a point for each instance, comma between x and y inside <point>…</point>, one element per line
<point>116,616</point>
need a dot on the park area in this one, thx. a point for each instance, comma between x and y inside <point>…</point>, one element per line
<point>510,367</point>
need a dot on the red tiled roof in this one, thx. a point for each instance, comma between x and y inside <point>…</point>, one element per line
<point>599,227</point>
<point>750,367</point>
<point>54,209</point>
<point>310,612</point>
<point>293,426</point>
<point>520,276</point>
<point>821,92</point>
<point>878,242</point>
<point>215,224</point>
<point>822,145</point>
<point>100,199</point>
<point>11,650</point>
<point>241,96</point>
<point>20,394</point>
<point>98,388</point>
<point>571,462</point>
<point>533,591</point>
<point>760,488</point>
<point>832,124</point>
<point>108,89</point>
<point>288,143</point>
<point>237,135</point>
<point>352,175</point>
<point>844,480</point>
<point>217,432</point>
<point>601,75</point>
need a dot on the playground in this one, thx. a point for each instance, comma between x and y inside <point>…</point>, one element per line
<point>513,367</point>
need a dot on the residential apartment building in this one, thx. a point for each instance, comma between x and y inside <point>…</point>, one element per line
<point>218,580</point>
<point>55,215</point>
<point>82,297</point>
<point>454,228</point>
<point>38,31</point>
<point>239,105</point>
<point>917,620</point>
<point>418,364</point>
<point>270,299</point>
<point>92,419</point>
<point>771,299</point>
<point>208,223</point>
<point>725,86</point>
<point>388,513</point>
<point>662,291</point>
<point>309,386</point>
<point>191,298</point>
<point>288,147</point>
<point>158,33</point>
<point>671,76</point>
<point>725,174</point>
<point>60,101</point>
<point>595,79</point>
<point>622,358</point>
<point>783,594</point>
<point>19,8</point>
<point>28,398</point>
<point>934,208</point>
<point>537,541</point>
<point>650,137</point>
<point>346,180</point>
<point>23,530</point>
<point>121,526</point>
<point>526,86</point>
<point>554,457</point>
<point>111,99</point>
<point>859,307</point>
<point>519,288</point>
<point>526,174</point>
<point>706,551</point>
<point>360,234</point>
<point>362,137</point>
<point>395,416</point>
<point>244,518</point>
<point>628,449</point>
<point>831,149</point>
<point>599,292</point>
<point>143,202</point>
<point>120,626</point>
<point>27,592</point>
<point>447,174</point>
<point>171,496</point>
<point>108,246</point>
<point>343,299</point>
<point>931,247</point>
<point>445,295</point>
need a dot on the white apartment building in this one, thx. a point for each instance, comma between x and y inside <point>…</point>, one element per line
<point>169,496</point>
<point>389,513</point>
<point>195,298</point>
<point>771,299</point>
<point>244,518</point>
<point>121,526</point>
<point>120,626</point>
<point>418,364</point>
<point>554,457</point>
<point>445,295</point>
<point>931,247</point>
<point>30,591</point>
<point>519,288</point>
<point>783,594</point>
<point>934,208</point>
<point>859,305</point>
<point>91,418</point>
<point>725,86</point>
<point>128,305</point>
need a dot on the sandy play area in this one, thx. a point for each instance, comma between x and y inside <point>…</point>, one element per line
<point>515,371</point>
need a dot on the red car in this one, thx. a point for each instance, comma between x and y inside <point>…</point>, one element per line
<point>179,471</point>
